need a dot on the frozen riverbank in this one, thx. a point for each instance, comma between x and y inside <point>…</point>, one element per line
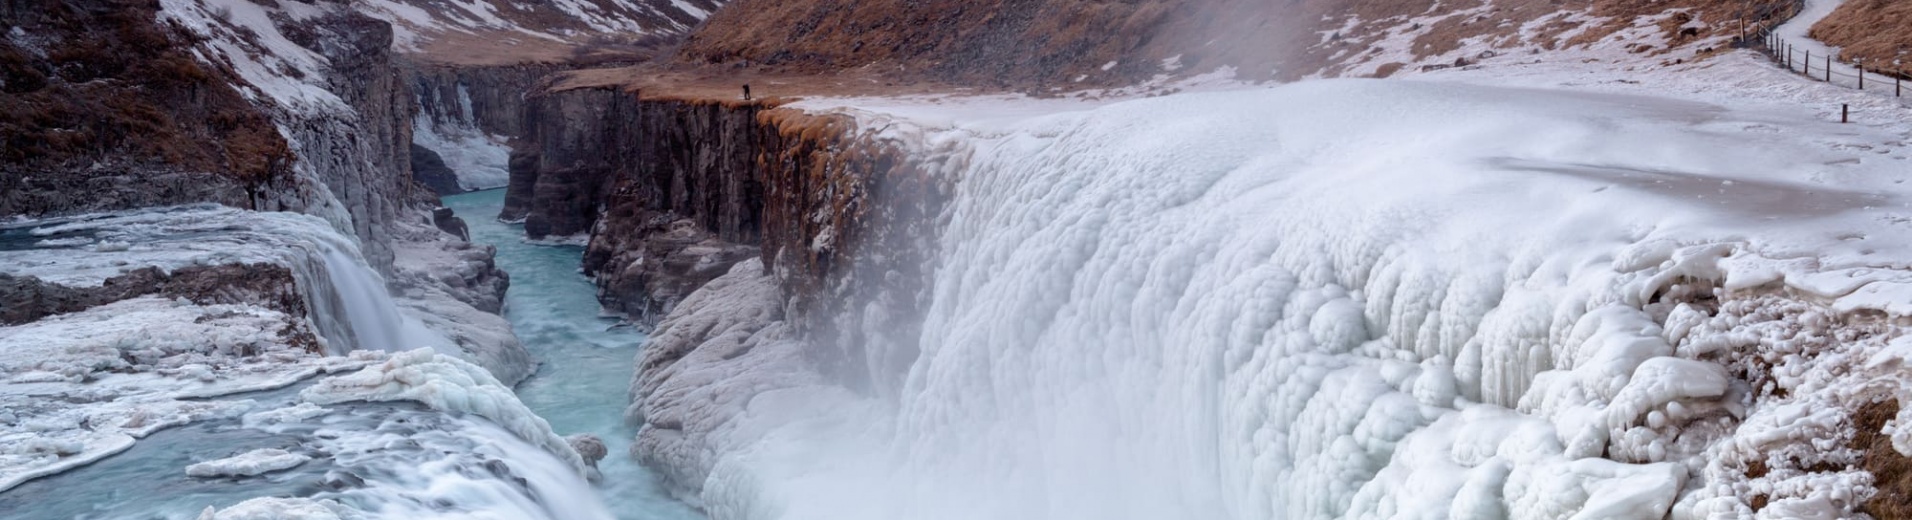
<point>582,384</point>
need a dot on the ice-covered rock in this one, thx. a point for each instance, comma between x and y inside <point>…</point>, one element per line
<point>248,464</point>
<point>448,384</point>
<point>273,508</point>
<point>588,446</point>
<point>1332,299</point>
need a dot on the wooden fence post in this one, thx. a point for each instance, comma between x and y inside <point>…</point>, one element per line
<point>1862,75</point>
<point>1828,67</point>
<point>1845,113</point>
<point>1808,67</point>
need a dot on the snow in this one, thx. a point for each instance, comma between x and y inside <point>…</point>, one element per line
<point>249,464</point>
<point>83,386</point>
<point>434,279</point>
<point>273,508</point>
<point>347,300</point>
<point>480,160</point>
<point>447,384</point>
<point>1572,294</point>
<point>242,33</point>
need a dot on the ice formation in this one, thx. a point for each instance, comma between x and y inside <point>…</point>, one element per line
<point>252,463</point>
<point>479,159</point>
<point>1347,299</point>
<point>272,508</point>
<point>447,384</point>
<point>82,386</point>
<point>346,300</point>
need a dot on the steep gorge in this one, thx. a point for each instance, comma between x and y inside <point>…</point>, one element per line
<point>673,191</point>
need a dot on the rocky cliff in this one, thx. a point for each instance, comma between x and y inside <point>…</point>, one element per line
<point>103,107</point>
<point>674,191</point>
<point>735,227</point>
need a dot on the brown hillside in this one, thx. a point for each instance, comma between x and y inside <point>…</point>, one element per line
<point>1877,31</point>
<point>99,88</point>
<point>1057,42</point>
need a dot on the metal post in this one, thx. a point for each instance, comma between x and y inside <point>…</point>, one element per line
<point>1828,68</point>
<point>1808,67</point>
<point>1862,75</point>
<point>1845,113</point>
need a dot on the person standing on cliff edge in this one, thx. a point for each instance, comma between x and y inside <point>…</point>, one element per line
<point>746,92</point>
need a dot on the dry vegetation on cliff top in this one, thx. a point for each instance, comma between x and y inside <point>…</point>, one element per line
<point>1877,31</point>
<point>515,32</point>
<point>1015,44</point>
<point>93,86</point>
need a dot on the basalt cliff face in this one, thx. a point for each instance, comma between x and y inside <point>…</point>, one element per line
<point>674,192</point>
<point>735,228</point>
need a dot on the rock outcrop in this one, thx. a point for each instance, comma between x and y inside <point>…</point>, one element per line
<point>25,299</point>
<point>430,169</point>
<point>102,107</point>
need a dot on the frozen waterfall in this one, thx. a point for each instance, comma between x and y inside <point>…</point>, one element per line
<point>1333,299</point>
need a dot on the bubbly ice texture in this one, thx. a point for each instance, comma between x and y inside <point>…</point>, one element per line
<point>1353,299</point>
<point>446,384</point>
<point>346,300</point>
<point>251,463</point>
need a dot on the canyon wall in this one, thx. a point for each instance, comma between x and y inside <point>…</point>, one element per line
<point>674,191</point>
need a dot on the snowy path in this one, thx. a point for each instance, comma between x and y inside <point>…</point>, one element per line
<point>1811,55</point>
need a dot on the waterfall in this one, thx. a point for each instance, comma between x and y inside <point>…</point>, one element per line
<point>1329,299</point>
<point>346,300</point>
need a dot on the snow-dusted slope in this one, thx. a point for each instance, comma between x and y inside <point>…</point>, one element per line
<point>1351,299</point>
<point>502,32</point>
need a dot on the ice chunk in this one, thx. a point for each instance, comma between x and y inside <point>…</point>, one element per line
<point>248,464</point>
<point>449,384</point>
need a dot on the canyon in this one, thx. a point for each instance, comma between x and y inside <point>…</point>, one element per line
<point>1592,260</point>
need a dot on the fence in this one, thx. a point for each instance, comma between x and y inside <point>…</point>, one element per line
<point>1817,62</point>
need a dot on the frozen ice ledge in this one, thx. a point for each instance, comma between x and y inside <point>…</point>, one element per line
<point>1329,299</point>
<point>116,325</point>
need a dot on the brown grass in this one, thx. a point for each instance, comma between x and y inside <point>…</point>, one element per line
<point>1877,31</point>
<point>123,91</point>
<point>1891,472</point>
<point>1050,43</point>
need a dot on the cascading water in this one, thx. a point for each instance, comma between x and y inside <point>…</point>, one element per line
<point>375,459</point>
<point>587,362</point>
<point>347,300</point>
<point>1323,300</point>
<point>374,321</point>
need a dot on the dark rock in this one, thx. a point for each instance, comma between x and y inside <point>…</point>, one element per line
<point>645,266</point>
<point>429,169</point>
<point>449,222</point>
<point>27,299</point>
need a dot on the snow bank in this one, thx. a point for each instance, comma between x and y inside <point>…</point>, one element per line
<point>480,160</point>
<point>1357,298</point>
<point>400,463</point>
<point>79,387</point>
<point>272,508</point>
<point>447,384</point>
<point>249,464</point>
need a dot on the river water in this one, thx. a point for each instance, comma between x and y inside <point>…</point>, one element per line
<point>400,460</point>
<point>587,360</point>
